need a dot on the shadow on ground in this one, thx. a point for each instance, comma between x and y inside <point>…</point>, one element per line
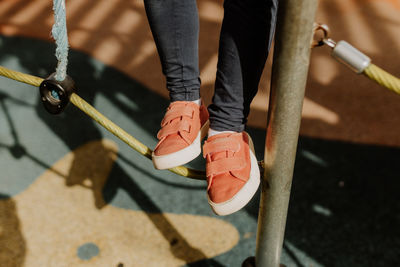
<point>344,208</point>
<point>12,242</point>
<point>343,211</point>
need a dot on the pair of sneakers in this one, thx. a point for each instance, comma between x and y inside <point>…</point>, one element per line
<point>232,171</point>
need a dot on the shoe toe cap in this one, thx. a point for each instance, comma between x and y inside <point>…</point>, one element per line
<point>171,144</point>
<point>224,188</point>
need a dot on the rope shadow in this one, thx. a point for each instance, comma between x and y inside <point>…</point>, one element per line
<point>180,248</point>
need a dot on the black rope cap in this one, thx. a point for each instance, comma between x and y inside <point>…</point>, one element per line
<point>55,94</point>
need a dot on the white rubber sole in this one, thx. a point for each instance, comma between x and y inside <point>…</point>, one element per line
<point>182,156</point>
<point>245,194</point>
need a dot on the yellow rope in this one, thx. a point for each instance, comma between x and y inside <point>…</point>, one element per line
<point>383,78</point>
<point>103,121</point>
<point>21,77</point>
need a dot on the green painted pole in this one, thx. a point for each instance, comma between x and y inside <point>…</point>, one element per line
<point>289,75</point>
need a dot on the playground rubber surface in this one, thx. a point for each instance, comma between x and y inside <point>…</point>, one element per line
<point>71,194</point>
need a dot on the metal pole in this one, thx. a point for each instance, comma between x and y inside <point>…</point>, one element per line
<point>289,74</point>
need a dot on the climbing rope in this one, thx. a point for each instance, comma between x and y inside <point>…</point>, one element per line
<point>21,77</point>
<point>103,121</point>
<point>383,78</point>
<point>59,33</point>
<point>356,60</point>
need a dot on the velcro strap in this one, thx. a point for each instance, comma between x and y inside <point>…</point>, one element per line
<point>220,145</point>
<point>224,165</point>
<point>173,128</point>
<point>176,113</point>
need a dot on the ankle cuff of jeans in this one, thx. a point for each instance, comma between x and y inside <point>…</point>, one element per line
<point>185,96</point>
<point>218,126</point>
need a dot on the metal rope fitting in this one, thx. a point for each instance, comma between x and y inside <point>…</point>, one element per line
<point>325,31</point>
<point>342,51</point>
<point>350,56</point>
<point>55,94</point>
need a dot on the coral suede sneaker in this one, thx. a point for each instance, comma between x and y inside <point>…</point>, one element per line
<point>184,125</point>
<point>232,171</point>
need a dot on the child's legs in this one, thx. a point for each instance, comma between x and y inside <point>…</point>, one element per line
<point>246,35</point>
<point>175,28</point>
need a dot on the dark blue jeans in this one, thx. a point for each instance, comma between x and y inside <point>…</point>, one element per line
<point>246,34</point>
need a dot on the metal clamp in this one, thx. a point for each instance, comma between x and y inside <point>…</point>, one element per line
<point>342,51</point>
<point>350,56</point>
<point>55,94</point>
